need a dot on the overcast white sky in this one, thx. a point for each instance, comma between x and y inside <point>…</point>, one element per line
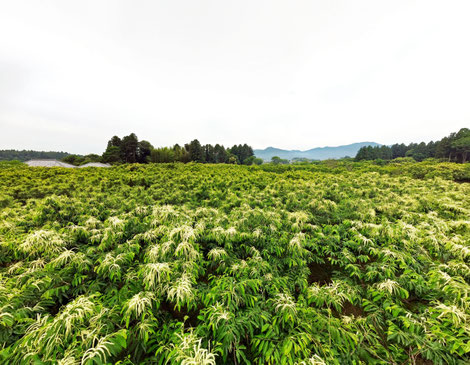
<point>291,74</point>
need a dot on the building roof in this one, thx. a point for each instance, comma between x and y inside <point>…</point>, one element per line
<point>48,163</point>
<point>95,164</point>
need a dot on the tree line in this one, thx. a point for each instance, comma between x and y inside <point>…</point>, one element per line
<point>454,148</point>
<point>25,155</point>
<point>130,150</point>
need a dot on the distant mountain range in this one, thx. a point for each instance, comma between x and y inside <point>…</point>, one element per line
<point>319,153</point>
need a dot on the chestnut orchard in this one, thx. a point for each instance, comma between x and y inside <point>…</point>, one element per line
<point>328,263</point>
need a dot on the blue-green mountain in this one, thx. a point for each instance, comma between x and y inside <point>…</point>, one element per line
<point>319,153</point>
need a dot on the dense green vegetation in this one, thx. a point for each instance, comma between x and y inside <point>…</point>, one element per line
<point>78,160</point>
<point>24,155</point>
<point>328,263</point>
<point>130,150</point>
<point>455,148</point>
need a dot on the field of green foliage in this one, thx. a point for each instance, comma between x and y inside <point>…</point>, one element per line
<point>333,263</point>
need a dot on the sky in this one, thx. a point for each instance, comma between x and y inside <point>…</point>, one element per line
<point>291,74</point>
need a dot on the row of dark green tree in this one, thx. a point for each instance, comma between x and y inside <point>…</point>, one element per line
<point>454,148</point>
<point>130,150</point>
<point>25,155</point>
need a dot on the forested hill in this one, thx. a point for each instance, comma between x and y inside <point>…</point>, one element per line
<point>319,153</point>
<point>25,155</point>
<point>454,148</point>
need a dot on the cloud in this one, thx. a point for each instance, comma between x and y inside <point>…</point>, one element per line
<point>293,75</point>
